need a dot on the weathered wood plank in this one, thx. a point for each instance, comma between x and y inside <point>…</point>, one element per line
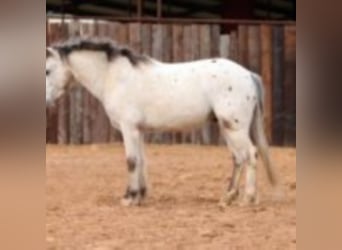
<point>52,112</point>
<point>234,46</point>
<point>134,30</point>
<point>266,73</point>
<point>243,45</point>
<point>177,43</point>
<point>254,54</point>
<point>224,46</point>
<point>146,39</point>
<point>278,85</point>
<point>290,85</point>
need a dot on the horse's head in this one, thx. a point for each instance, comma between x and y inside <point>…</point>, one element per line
<point>57,75</point>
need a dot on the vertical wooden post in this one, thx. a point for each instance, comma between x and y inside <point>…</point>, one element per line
<point>139,8</point>
<point>278,85</point>
<point>290,85</point>
<point>159,9</point>
<point>254,48</point>
<point>266,73</point>
<point>224,46</point>
<point>243,45</point>
<point>233,46</point>
<point>51,112</point>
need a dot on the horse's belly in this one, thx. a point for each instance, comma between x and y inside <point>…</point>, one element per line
<point>176,114</point>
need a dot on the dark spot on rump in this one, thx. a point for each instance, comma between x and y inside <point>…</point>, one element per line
<point>230,88</point>
<point>214,61</point>
<point>248,98</point>
<point>227,124</point>
<point>236,120</point>
<point>131,164</point>
<point>214,76</point>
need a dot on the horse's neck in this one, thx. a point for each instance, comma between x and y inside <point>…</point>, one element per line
<point>90,70</point>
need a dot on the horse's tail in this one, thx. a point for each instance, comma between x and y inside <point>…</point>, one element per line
<point>258,132</point>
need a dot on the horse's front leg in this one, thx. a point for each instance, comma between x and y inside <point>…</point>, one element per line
<point>136,187</point>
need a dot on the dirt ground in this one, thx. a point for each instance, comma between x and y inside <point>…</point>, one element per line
<point>84,185</point>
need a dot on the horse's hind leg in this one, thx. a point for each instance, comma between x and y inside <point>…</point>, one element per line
<point>242,149</point>
<point>250,195</point>
<point>136,188</point>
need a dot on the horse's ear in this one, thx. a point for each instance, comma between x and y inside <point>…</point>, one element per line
<point>50,52</point>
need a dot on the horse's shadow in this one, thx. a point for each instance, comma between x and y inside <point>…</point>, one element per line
<point>163,200</point>
<point>171,200</point>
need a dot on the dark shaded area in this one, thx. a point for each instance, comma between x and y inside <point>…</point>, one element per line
<point>234,9</point>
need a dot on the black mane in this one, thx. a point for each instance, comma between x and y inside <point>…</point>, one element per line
<point>106,46</point>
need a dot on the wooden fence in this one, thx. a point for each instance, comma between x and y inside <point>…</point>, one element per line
<point>267,49</point>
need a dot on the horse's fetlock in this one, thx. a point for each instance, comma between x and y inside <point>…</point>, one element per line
<point>135,193</point>
<point>131,193</point>
<point>131,163</point>
<point>143,192</point>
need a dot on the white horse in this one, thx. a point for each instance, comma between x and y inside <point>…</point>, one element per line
<point>140,94</point>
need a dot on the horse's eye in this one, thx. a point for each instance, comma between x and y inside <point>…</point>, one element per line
<point>47,72</point>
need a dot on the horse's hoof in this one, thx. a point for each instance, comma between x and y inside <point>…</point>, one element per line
<point>128,202</point>
<point>222,204</point>
<point>249,200</point>
<point>228,198</point>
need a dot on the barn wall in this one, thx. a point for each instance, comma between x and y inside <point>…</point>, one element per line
<point>270,50</point>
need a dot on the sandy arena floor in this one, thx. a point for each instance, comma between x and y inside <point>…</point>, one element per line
<point>84,185</point>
